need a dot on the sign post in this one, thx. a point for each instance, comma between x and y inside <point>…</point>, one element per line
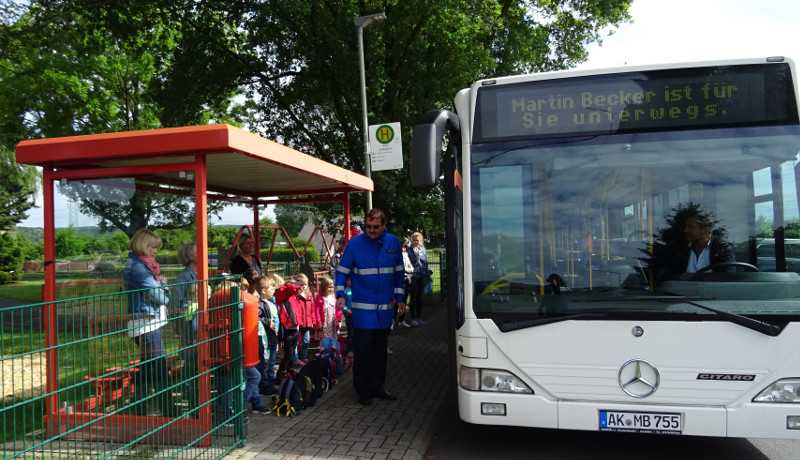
<point>386,146</point>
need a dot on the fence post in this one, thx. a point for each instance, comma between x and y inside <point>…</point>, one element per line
<point>442,275</point>
<point>237,305</point>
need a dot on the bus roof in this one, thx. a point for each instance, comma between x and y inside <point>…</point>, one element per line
<point>622,69</point>
<point>238,162</point>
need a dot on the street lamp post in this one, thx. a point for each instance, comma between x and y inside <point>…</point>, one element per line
<point>361,23</point>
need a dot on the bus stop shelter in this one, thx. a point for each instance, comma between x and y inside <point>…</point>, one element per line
<point>212,162</point>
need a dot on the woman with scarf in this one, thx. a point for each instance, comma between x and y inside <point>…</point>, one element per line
<point>147,300</point>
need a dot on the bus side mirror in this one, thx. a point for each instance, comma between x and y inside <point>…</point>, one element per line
<point>426,146</point>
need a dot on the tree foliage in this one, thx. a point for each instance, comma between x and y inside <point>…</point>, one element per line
<point>292,218</point>
<point>306,75</point>
<point>11,258</point>
<point>80,66</point>
<point>17,189</point>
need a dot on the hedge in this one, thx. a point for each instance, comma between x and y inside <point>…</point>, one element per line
<point>287,255</point>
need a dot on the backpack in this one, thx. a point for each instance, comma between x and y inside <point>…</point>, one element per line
<point>289,398</point>
<point>287,316</point>
<point>311,383</point>
<point>333,367</point>
<point>330,350</point>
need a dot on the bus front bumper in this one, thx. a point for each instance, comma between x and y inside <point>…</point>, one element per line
<point>748,421</point>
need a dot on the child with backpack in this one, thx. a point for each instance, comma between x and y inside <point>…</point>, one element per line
<point>253,341</point>
<point>264,287</point>
<point>273,331</point>
<point>290,326</point>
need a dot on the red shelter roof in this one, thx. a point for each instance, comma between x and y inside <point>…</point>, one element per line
<point>238,162</point>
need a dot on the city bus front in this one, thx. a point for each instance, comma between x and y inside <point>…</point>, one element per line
<point>624,250</point>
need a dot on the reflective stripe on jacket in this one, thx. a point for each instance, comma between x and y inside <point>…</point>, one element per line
<point>376,272</point>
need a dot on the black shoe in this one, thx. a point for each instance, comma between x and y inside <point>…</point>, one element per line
<point>365,401</point>
<point>385,396</point>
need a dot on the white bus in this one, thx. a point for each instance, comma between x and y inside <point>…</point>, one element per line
<point>604,230</point>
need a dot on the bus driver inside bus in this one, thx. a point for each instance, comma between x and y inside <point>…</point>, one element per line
<point>690,243</point>
<point>703,245</point>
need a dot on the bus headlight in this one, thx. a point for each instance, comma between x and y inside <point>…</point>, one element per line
<point>491,380</point>
<point>782,391</point>
<point>503,382</point>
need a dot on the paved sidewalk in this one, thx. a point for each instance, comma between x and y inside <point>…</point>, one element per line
<point>338,427</point>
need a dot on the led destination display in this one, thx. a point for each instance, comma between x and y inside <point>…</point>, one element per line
<point>708,97</point>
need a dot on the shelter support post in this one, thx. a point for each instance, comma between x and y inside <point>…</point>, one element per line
<point>256,229</point>
<point>346,204</point>
<point>201,238</point>
<point>50,326</point>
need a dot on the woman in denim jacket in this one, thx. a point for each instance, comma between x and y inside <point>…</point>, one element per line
<point>147,306</point>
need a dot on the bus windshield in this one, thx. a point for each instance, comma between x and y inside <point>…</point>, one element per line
<point>639,222</point>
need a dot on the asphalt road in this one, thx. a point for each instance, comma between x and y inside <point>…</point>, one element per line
<point>454,439</point>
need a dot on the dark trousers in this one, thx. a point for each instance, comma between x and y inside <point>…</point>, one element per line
<point>369,361</point>
<point>289,349</point>
<point>417,292</point>
<point>152,376</point>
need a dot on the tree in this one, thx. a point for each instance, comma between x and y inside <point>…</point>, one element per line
<point>307,79</point>
<point>70,243</point>
<point>11,258</point>
<point>292,217</point>
<point>80,66</point>
<point>30,250</point>
<point>17,189</point>
<point>764,227</point>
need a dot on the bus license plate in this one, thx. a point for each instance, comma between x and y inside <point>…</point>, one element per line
<point>641,422</point>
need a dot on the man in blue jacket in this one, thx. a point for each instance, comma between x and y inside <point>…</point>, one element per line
<point>374,263</point>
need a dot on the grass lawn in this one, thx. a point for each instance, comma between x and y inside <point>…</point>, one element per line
<point>29,289</point>
<point>22,291</point>
<point>21,354</point>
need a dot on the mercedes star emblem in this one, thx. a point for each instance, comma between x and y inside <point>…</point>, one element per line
<point>638,378</point>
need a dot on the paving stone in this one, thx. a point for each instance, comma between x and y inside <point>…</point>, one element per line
<point>337,427</point>
<point>342,449</point>
<point>360,445</point>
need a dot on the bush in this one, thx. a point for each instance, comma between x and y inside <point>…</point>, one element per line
<point>167,258</point>
<point>11,258</point>
<point>70,243</point>
<point>284,254</point>
<point>104,269</point>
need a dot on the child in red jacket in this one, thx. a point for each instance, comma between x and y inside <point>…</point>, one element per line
<point>290,327</point>
<point>303,306</point>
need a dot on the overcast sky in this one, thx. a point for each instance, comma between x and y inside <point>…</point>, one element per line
<point>661,31</point>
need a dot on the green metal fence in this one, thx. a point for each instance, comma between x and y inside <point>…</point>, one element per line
<point>84,378</point>
<point>436,264</point>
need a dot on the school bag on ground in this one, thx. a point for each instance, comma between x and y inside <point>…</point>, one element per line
<point>332,367</point>
<point>310,382</point>
<point>289,398</point>
<point>330,350</point>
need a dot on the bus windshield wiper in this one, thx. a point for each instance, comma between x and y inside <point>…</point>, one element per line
<point>751,323</point>
<point>508,326</point>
